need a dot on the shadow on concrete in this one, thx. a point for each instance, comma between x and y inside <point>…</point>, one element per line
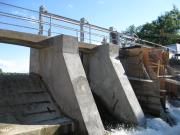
<point>27,105</point>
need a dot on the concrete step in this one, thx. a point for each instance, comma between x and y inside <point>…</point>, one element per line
<point>25,100</point>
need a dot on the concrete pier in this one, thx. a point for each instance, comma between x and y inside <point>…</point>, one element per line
<point>62,70</point>
<point>108,81</point>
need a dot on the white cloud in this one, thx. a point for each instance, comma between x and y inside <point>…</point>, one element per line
<point>33,18</point>
<point>20,66</point>
<point>24,14</point>
<point>15,12</point>
<point>70,6</point>
<point>101,2</point>
<point>5,64</point>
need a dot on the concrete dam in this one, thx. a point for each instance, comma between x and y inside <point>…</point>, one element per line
<point>82,81</point>
<point>63,75</point>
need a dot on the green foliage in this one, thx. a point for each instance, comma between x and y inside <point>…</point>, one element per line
<point>164,30</point>
<point>1,71</point>
<point>131,29</point>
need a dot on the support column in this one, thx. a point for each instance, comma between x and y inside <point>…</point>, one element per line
<point>109,82</point>
<point>61,68</point>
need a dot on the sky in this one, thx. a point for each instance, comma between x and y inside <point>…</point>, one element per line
<point>117,13</point>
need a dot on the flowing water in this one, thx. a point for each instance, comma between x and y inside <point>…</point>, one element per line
<point>154,126</point>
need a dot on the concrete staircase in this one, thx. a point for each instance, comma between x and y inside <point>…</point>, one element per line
<point>27,104</point>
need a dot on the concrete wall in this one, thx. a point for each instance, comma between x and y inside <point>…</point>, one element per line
<point>62,70</point>
<point>108,81</point>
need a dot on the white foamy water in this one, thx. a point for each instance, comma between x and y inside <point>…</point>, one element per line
<point>154,126</point>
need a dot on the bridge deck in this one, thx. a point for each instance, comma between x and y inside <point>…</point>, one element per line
<point>31,40</point>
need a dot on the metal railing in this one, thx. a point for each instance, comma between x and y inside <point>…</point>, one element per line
<point>83,35</point>
<point>48,24</point>
<point>134,40</point>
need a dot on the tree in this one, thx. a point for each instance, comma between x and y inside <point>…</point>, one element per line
<point>1,71</point>
<point>164,30</point>
<point>131,30</point>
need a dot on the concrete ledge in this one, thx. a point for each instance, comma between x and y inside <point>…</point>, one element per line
<point>22,39</point>
<point>33,40</point>
<point>15,129</point>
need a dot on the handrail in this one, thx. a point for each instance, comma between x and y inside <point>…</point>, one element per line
<point>44,22</point>
<point>145,41</point>
<point>73,21</point>
<point>101,32</point>
<point>2,3</point>
<point>22,26</point>
<point>61,18</point>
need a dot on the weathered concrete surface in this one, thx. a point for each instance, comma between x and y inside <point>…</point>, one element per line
<point>62,70</point>
<point>12,129</point>
<point>108,81</point>
<point>25,100</point>
<point>32,40</point>
<point>22,38</point>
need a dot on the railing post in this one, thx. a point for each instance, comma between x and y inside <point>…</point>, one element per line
<point>110,36</point>
<point>41,10</point>
<point>90,33</point>
<point>82,21</point>
<point>49,31</point>
<point>113,36</point>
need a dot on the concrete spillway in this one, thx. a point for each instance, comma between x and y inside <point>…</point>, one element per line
<point>25,100</point>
